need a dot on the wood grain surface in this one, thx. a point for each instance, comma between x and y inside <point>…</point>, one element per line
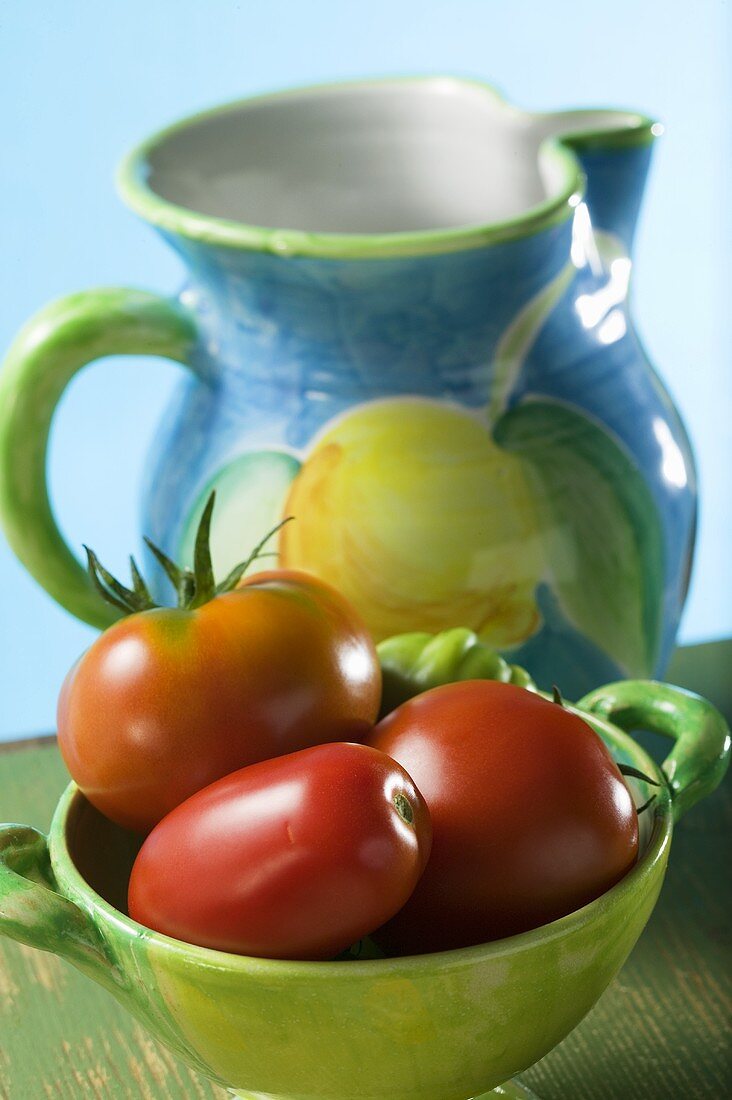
<point>661,1032</point>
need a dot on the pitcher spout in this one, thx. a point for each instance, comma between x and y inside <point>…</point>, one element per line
<point>614,150</point>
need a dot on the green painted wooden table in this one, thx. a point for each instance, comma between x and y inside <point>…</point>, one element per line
<point>661,1032</point>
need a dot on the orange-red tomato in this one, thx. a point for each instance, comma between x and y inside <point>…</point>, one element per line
<point>166,701</point>
<point>294,858</point>
<point>531,817</point>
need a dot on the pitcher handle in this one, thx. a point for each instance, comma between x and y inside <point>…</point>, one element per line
<point>34,913</point>
<point>64,337</point>
<point>699,759</point>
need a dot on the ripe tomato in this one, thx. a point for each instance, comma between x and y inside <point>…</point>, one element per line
<point>294,858</point>
<point>531,817</point>
<point>166,701</point>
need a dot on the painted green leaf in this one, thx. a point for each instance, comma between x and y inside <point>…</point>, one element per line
<point>251,492</point>
<point>600,527</point>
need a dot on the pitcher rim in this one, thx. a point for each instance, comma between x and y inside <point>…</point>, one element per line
<point>209,229</point>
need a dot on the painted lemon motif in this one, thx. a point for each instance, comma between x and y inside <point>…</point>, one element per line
<point>525,528</point>
<point>411,509</point>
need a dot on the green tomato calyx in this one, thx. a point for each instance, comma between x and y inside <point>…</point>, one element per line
<point>194,587</point>
<point>636,773</point>
<point>624,769</point>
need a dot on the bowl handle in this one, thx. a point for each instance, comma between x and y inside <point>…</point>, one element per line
<point>34,913</point>
<point>698,760</point>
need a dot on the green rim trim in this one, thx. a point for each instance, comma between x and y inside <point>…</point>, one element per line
<point>643,131</point>
<point>82,893</point>
<point>132,182</point>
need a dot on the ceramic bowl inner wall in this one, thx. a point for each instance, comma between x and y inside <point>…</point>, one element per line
<point>384,158</point>
<point>103,853</point>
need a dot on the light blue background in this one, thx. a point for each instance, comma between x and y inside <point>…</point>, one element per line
<point>81,81</point>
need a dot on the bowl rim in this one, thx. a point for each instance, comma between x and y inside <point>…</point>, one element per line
<point>73,885</point>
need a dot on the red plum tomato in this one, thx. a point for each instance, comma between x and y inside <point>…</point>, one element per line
<point>294,858</point>
<point>531,817</point>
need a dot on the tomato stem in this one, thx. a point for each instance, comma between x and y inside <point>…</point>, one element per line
<point>404,808</point>
<point>194,587</point>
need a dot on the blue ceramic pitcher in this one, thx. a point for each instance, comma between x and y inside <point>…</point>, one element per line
<point>430,365</point>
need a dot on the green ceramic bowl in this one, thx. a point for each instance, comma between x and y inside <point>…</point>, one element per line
<point>435,1027</point>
